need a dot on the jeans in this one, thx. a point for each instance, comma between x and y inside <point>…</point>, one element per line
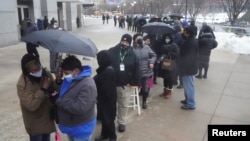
<point>42,137</point>
<point>189,90</point>
<point>79,139</point>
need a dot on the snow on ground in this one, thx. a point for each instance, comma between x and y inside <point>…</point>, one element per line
<point>233,43</point>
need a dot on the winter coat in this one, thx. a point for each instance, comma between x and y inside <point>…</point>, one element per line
<point>189,57</point>
<point>35,106</point>
<point>106,89</point>
<point>77,99</point>
<point>167,50</point>
<point>146,56</point>
<point>206,44</point>
<point>131,63</point>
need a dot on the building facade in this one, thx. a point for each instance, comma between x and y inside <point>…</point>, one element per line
<point>13,13</point>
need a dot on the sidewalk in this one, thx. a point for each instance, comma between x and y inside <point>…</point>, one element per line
<point>222,98</point>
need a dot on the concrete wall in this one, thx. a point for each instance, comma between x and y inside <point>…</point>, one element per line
<point>9,27</point>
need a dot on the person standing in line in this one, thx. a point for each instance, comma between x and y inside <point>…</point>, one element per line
<point>206,44</point>
<point>31,48</point>
<point>169,50</point>
<point>106,96</point>
<point>33,87</point>
<point>126,66</point>
<point>54,56</point>
<point>147,41</point>
<point>76,102</point>
<point>189,67</point>
<point>193,27</point>
<point>178,40</point>
<point>52,21</point>
<point>147,59</point>
<point>204,26</point>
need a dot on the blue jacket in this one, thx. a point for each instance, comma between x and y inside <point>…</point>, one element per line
<point>76,105</point>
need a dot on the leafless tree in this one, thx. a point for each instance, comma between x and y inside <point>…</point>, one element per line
<point>194,7</point>
<point>234,8</point>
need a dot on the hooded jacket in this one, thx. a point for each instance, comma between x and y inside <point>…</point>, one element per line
<point>106,86</point>
<point>76,105</point>
<point>206,44</point>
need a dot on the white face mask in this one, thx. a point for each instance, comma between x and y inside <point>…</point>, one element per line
<point>167,40</point>
<point>37,74</point>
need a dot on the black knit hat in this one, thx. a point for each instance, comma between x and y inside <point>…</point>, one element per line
<point>26,59</point>
<point>127,37</point>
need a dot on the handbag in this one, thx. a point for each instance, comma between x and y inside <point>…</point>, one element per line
<point>167,63</point>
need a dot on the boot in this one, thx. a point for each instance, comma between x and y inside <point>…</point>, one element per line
<point>164,93</point>
<point>144,105</point>
<point>168,94</point>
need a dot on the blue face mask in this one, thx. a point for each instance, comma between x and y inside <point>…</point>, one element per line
<point>69,77</point>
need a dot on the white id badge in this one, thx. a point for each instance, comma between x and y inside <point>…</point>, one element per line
<point>122,67</point>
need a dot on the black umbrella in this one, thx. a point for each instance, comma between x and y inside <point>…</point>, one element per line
<point>176,15</point>
<point>158,28</point>
<point>62,42</point>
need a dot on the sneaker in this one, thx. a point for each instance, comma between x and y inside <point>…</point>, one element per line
<point>198,76</point>
<point>144,106</point>
<point>184,102</point>
<point>121,128</point>
<point>204,76</point>
<point>185,107</point>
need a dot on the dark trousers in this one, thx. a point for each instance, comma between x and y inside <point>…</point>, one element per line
<point>42,137</point>
<point>32,49</point>
<point>201,66</point>
<point>168,80</point>
<point>155,70</point>
<point>144,88</point>
<point>108,125</point>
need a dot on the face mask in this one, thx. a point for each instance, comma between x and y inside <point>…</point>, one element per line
<point>139,41</point>
<point>167,40</point>
<point>68,77</point>
<point>123,46</point>
<point>37,74</point>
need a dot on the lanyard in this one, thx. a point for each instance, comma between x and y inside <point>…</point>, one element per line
<point>122,56</point>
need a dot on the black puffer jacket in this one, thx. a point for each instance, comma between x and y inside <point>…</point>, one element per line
<point>206,44</point>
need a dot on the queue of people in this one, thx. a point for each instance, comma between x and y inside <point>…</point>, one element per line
<point>79,100</point>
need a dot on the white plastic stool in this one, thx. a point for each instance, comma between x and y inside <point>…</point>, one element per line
<point>135,99</point>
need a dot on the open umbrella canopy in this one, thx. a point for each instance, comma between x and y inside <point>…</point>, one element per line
<point>62,42</point>
<point>175,15</point>
<point>158,28</point>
